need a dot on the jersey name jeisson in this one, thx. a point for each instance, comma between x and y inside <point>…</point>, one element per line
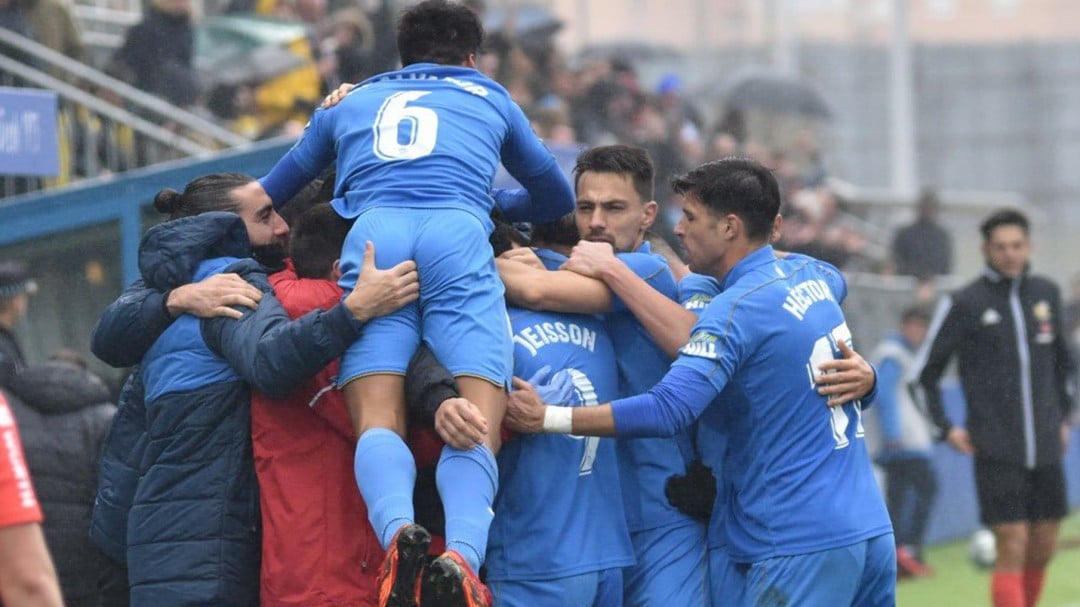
<point>561,492</point>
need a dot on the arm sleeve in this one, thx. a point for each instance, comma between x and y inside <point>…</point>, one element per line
<point>515,204</point>
<point>652,270</point>
<point>670,406</point>
<point>301,164</point>
<point>530,162</point>
<point>872,396</point>
<point>274,354</point>
<point>427,384</point>
<point>130,325</point>
<point>889,380</point>
<point>941,342</point>
<point>18,502</point>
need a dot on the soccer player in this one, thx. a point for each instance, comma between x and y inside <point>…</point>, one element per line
<point>796,466</point>
<point>614,186</point>
<point>572,482</point>
<point>416,152</point>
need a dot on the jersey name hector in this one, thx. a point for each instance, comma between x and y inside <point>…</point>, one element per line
<point>805,294</point>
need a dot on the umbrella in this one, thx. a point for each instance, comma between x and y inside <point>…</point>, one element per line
<point>232,50</point>
<point>532,27</point>
<point>775,93</point>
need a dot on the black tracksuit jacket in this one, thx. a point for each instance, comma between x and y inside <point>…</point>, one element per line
<point>1014,363</point>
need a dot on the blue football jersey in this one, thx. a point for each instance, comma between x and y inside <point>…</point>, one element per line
<point>696,291</point>
<point>800,475</point>
<point>559,509</point>
<point>645,464</point>
<point>425,136</point>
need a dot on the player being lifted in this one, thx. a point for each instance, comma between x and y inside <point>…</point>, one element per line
<point>416,152</point>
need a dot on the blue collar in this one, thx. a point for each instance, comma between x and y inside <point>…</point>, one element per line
<point>748,264</point>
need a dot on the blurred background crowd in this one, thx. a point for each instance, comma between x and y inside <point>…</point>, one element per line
<point>894,127</point>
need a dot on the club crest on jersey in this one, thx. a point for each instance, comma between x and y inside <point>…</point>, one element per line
<point>990,317</point>
<point>1045,330</point>
<point>703,345</point>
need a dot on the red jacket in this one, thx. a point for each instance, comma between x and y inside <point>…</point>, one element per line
<point>318,547</point>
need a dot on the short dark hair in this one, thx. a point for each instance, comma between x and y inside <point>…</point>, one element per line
<point>1004,217</point>
<point>211,192</point>
<point>563,231</point>
<point>735,185</point>
<point>316,239</point>
<point>437,31</point>
<point>317,191</point>
<point>505,235</point>
<point>912,313</point>
<point>622,160</point>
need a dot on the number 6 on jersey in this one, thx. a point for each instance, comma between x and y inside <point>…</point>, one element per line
<point>422,124</point>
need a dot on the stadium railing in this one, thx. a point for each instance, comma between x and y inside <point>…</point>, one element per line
<point>98,136</point>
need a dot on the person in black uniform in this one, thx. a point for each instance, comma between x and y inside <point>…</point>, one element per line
<point>1007,332</point>
<point>15,290</point>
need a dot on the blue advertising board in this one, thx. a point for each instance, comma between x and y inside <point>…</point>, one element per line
<point>28,140</point>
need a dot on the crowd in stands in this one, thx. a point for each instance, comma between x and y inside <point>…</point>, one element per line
<point>591,100</point>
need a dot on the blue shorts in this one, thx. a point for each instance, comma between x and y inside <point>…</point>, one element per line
<point>726,581</point>
<point>862,574</point>
<point>594,589</point>
<point>461,314</point>
<point>672,567</point>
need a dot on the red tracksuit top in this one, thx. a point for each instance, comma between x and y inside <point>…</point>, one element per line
<point>318,546</point>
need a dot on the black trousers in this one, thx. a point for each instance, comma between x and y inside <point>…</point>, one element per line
<point>910,491</point>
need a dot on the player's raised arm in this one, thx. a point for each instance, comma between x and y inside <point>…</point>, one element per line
<point>302,163</point>
<point>531,163</point>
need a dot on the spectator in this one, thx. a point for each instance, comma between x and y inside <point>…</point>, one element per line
<point>13,17</point>
<point>15,290</point>
<point>54,25</point>
<point>346,54</point>
<point>27,576</point>
<point>159,51</point>
<point>924,248</point>
<point>64,413</point>
<point>904,447</point>
<point>1007,332</point>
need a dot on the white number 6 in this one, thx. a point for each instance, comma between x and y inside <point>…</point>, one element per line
<point>423,131</point>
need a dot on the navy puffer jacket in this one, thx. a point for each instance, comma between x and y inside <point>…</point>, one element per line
<point>192,529</point>
<point>63,414</point>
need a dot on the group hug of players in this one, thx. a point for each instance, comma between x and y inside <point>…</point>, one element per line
<point>579,383</point>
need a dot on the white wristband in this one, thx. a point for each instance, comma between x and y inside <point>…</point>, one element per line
<point>558,420</point>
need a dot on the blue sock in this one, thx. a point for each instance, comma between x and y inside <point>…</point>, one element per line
<point>385,474</point>
<point>467,481</point>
